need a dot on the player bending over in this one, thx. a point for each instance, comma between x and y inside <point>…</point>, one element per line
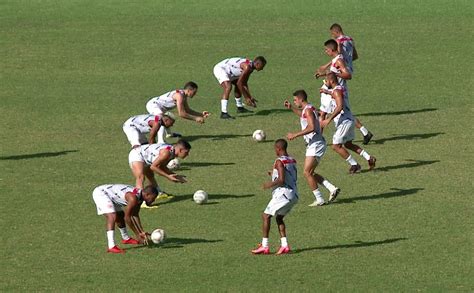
<point>176,99</point>
<point>344,121</point>
<point>236,71</point>
<point>120,204</point>
<point>315,146</point>
<point>284,197</point>
<point>148,159</point>
<point>341,64</point>
<point>136,127</point>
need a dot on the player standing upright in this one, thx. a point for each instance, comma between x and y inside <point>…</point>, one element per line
<point>137,126</point>
<point>176,99</point>
<point>120,204</point>
<point>342,47</point>
<point>341,114</point>
<point>284,197</point>
<point>315,146</point>
<point>236,71</point>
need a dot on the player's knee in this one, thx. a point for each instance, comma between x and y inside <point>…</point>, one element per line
<point>308,173</point>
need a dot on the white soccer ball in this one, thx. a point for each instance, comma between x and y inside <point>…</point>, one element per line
<point>174,164</point>
<point>259,135</point>
<point>158,236</point>
<point>200,197</point>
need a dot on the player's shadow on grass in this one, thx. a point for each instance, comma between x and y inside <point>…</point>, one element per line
<point>270,111</point>
<point>412,164</point>
<point>37,155</point>
<point>397,112</point>
<point>212,197</point>
<point>356,244</point>
<point>407,137</point>
<point>175,242</point>
<point>396,192</point>
<point>188,166</point>
<point>214,137</point>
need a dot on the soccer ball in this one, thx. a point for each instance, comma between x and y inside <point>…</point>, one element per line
<point>173,164</point>
<point>200,197</point>
<point>258,135</point>
<point>158,236</point>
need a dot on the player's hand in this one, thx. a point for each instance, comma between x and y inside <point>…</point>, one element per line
<point>177,178</point>
<point>199,120</point>
<point>205,114</point>
<point>317,75</point>
<point>287,104</point>
<point>267,185</point>
<point>144,238</point>
<point>291,136</point>
<point>324,91</point>
<point>252,102</point>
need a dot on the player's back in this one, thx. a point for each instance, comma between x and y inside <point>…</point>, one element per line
<point>346,44</point>
<point>116,192</point>
<point>232,65</point>
<point>141,122</point>
<point>150,152</point>
<point>166,101</point>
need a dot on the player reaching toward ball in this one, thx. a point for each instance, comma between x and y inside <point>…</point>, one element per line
<point>315,146</point>
<point>340,113</point>
<point>284,197</point>
<point>342,51</point>
<point>236,71</point>
<point>148,159</point>
<point>176,99</point>
<point>120,204</point>
<point>137,126</point>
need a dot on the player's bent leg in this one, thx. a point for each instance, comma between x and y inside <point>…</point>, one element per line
<point>138,173</point>
<point>310,164</point>
<point>284,247</point>
<point>120,222</point>
<point>110,224</point>
<point>227,86</point>
<point>365,132</point>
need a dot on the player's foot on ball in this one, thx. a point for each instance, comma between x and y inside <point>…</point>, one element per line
<point>226,116</point>
<point>367,138</point>
<point>283,250</point>
<point>317,203</point>
<point>130,241</point>
<point>115,249</point>
<point>261,250</point>
<point>334,194</point>
<point>372,161</point>
<point>243,110</point>
<point>355,169</point>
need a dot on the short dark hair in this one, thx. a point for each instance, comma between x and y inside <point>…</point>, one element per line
<point>184,144</point>
<point>331,76</point>
<point>191,85</point>
<point>281,143</point>
<point>301,94</point>
<point>332,44</point>
<point>261,59</point>
<point>151,189</point>
<point>336,27</point>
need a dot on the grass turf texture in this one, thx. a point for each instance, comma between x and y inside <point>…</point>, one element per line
<point>74,71</point>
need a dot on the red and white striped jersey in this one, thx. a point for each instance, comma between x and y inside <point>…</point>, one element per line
<point>291,172</point>
<point>316,134</point>
<point>116,193</point>
<point>141,122</point>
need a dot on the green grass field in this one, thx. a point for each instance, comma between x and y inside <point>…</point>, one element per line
<point>73,71</point>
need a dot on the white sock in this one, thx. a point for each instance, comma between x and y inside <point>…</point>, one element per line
<point>224,106</point>
<point>351,161</point>
<point>364,131</point>
<point>329,186</point>
<point>318,195</point>
<point>284,241</point>
<point>265,242</point>
<point>110,238</point>
<point>238,102</point>
<point>124,233</point>
<point>365,155</point>
<point>160,136</point>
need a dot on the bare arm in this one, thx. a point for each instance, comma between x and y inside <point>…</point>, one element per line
<point>155,126</point>
<point>242,84</point>
<point>132,217</point>
<point>159,166</point>
<point>280,181</point>
<point>322,70</point>
<point>345,73</point>
<point>309,128</point>
<point>184,111</point>
<point>287,105</point>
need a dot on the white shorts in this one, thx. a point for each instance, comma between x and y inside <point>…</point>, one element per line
<point>153,108</point>
<point>103,203</point>
<point>283,200</point>
<point>221,75</point>
<point>316,149</point>
<point>344,132</point>
<point>134,136</point>
<point>135,156</point>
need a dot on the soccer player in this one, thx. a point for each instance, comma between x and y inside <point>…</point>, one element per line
<point>342,50</point>
<point>120,204</point>
<point>148,159</point>
<point>136,127</point>
<point>315,146</point>
<point>284,197</point>
<point>176,99</point>
<point>236,71</point>
<point>344,121</point>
